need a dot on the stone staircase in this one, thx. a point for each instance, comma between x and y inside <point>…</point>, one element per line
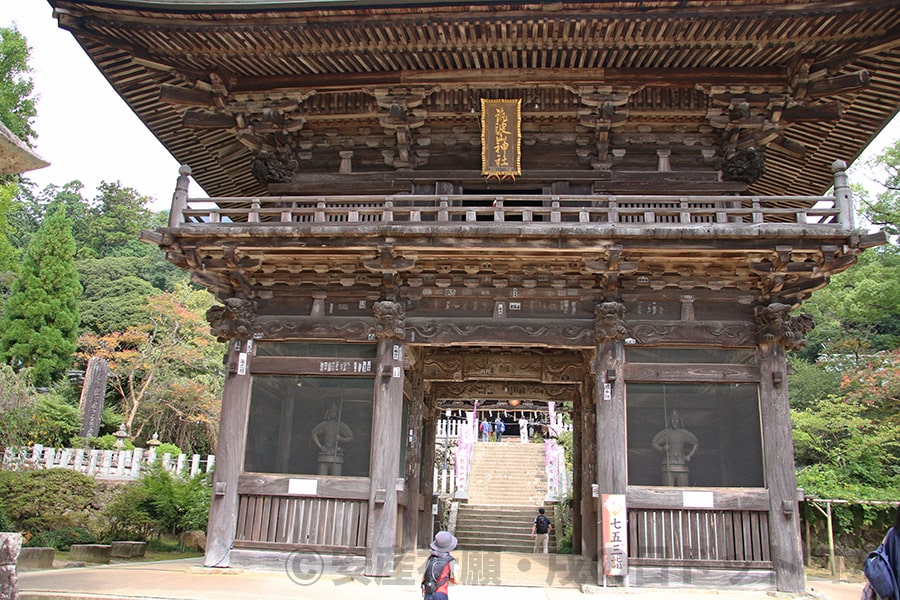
<point>507,484</point>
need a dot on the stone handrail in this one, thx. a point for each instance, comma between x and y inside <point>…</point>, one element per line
<point>103,464</point>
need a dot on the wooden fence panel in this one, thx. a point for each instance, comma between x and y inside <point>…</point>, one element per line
<point>302,521</point>
<point>698,535</point>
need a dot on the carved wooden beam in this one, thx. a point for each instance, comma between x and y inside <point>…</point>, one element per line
<point>841,84</point>
<point>492,390</point>
<point>174,94</point>
<point>206,120</point>
<point>465,78</point>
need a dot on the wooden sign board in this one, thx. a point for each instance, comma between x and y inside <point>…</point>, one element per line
<point>615,542</point>
<point>501,138</point>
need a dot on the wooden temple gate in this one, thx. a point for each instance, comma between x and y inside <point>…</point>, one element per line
<point>622,368</point>
<point>615,204</point>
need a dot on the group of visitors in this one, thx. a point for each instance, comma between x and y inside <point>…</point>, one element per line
<point>492,432</point>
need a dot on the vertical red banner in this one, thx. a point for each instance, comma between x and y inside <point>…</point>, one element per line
<point>615,529</point>
<point>501,138</point>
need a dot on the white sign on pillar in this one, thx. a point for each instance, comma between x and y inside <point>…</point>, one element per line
<point>615,541</point>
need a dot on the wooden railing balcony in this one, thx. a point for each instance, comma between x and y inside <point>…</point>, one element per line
<point>630,210</point>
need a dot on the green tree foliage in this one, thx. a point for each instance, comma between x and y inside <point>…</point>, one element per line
<point>77,209</point>
<point>847,443</point>
<point>25,215</point>
<point>884,210</point>
<point>17,103</point>
<point>54,421</point>
<point>160,273</point>
<point>9,256</point>
<point>859,311</point>
<point>119,215</point>
<point>41,320</point>
<point>167,373</point>
<point>114,296</point>
<point>18,399</point>
<point>811,382</point>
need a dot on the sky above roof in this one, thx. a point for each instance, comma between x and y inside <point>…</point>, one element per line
<point>85,130</point>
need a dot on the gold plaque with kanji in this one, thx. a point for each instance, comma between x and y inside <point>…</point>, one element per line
<point>501,138</point>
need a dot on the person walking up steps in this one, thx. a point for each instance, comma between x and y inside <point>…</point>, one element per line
<point>485,431</point>
<point>499,429</point>
<point>540,533</point>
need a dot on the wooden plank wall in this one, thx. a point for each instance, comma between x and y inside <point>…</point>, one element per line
<point>336,523</point>
<point>703,535</point>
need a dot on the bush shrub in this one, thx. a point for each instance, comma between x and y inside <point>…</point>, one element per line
<point>5,523</point>
<point>128,516</point>
<point>179,503</point>
<point>158,503</point>
<point>62,538</point>
<point>45,499</point>
<point>168,448</point>
<point>108,442</point>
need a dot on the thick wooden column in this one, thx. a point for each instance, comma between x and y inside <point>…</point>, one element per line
<point>610,398</point>
<point>577,475</point>
<point>223,510</point>
<point>387,436</point>
<point>429,435</point>
<point>588,477</point>
<point>413,440</point>
<point>784,517</point>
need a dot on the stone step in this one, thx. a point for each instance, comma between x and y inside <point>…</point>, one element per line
<point>519,498</point>
<point>499,538</point>
<point>530,483</point>
<point>504,547</point>
<point>503,544</point>
<point>511,510</point>
<point>525,488</point>
<point>519,531</point>
<point>507,484</point>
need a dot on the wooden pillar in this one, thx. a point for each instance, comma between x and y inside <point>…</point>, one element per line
<point>429,435</point>
<point>413,458</point>
<point>577,475</point>
<point>784,516</point>
<point>609,384</point>
<point>387,417</point>
<point>588,477</point>
<point>223,509</point>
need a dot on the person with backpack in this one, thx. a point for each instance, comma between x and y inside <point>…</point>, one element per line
<point>499,429</point>
<point>882,566</point>
<point>441,569</point>
<point>540,532</point>
<point>485,431</point>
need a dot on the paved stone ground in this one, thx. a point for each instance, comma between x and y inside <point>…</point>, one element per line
<point>188,580</point>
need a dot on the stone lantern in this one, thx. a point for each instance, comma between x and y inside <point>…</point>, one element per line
<point>121,436</point>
